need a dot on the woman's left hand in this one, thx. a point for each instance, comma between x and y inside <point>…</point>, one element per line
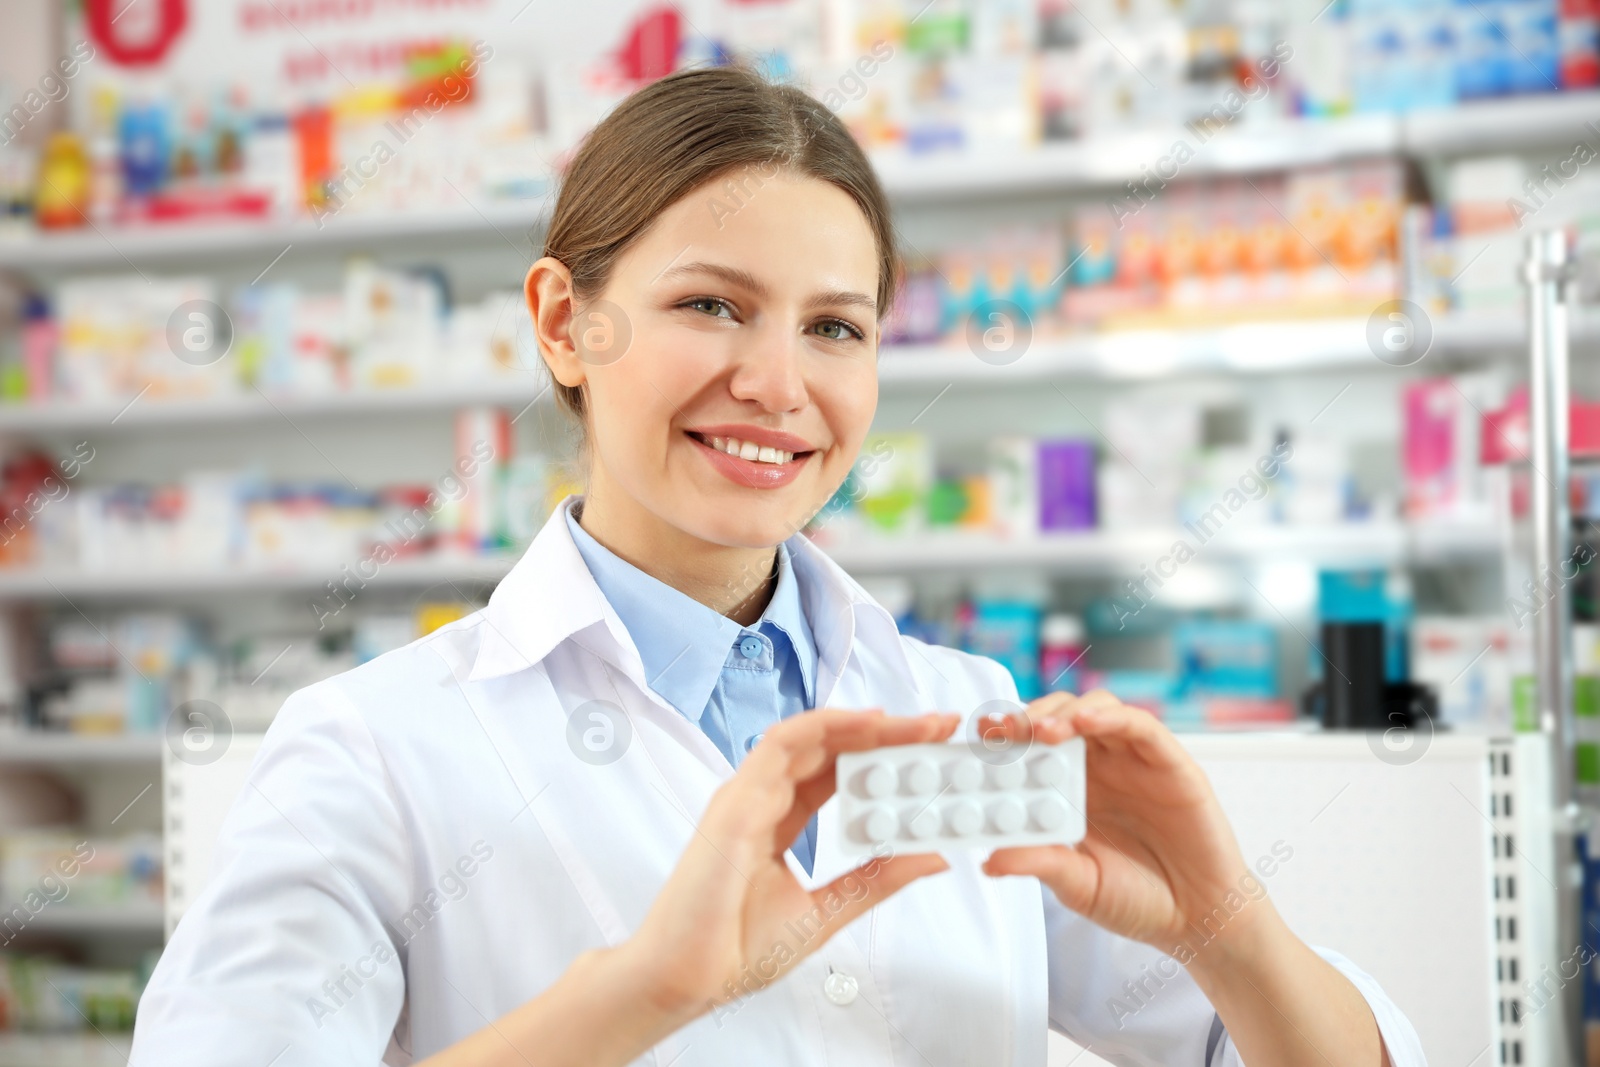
<point>1160,864</point>
<point>1159,857</point>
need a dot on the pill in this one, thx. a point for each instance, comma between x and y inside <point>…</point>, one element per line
<point>1049,813</point>
<point>919,777</point>
<point>963,818</point>
<point>924,823</point>
<point>875,780</point>
<point>1008,775</point>
<point>1006,815</point>
<point>965,775</point>
<point>940,796</point>
<point>1048,770</point>
<point>877,824</point>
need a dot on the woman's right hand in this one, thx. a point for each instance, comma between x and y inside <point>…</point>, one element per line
<point>723,912</point>
<point>716,928</point>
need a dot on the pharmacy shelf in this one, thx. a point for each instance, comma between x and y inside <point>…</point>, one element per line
<point>130,248</point>
<point>68,918</point>
<point>72,583</point>
<point>1246,147</point>
<point>1097,550</point>
<point>517,390</point>
<point>37,746</point>
<point>1249,146</point>
<point>1243,348</point>
<point>1485,127</point>
<point>1378,542</point>
<point>1261,347</point>
<point>89,1049</point>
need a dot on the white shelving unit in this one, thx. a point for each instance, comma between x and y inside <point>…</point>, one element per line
<point>65,1050</point>
<point>1249,147</point>
<point>1376,543</point>
<point>133,413</point>
<point>1124,355</point>
<point>428,570</point>
<point>119,248</point>
<point>22,747</point>
<point>1100,550</point>
<point>93,919</point>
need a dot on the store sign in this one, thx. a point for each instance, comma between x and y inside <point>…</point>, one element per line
<point>135,33</point>
<point>324,48</point>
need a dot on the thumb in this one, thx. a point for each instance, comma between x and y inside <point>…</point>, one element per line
<point>886,878</point>
<point>1072,875</point>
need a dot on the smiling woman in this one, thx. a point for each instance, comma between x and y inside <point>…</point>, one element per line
<point>749,377</point>
<point>644,725</point>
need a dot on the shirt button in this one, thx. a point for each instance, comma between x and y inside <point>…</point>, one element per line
<point>752,741</point>
<point>840,988</point>
<point>750,646</point>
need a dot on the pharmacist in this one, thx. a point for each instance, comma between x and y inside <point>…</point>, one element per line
<point>582,826</point>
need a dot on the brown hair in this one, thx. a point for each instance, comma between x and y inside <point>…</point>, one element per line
<point>682,131</point>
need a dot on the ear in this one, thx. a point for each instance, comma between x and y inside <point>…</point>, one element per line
<point>548,289</point>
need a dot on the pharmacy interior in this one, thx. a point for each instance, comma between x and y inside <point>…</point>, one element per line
<point>1238,344</point>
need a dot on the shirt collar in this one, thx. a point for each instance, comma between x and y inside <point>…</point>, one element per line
<point>550,595</point>
<point>682,643</point>
<point>787,613</point>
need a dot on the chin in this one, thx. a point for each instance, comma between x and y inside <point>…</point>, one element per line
<point>750,526</point>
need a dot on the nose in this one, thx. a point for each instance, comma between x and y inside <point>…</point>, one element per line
<point>769,369</point>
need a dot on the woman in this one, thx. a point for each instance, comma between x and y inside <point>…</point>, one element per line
<point>522,839</point>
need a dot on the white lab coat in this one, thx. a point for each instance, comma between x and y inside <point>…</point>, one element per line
<point>419,850</point>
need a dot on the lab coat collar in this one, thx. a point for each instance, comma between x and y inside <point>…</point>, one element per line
<point>684,644</point>
<point>549,596</point>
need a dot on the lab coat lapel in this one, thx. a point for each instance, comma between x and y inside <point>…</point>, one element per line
<point>861,665</point>
<point>619,818</point>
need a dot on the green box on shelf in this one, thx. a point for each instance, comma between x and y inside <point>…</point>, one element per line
<point>1586,696</point>
<point>1588,763</point>
<point>1585,701</point>
<point>1524,720</point>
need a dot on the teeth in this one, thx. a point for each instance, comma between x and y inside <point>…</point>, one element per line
<point>750,450</point>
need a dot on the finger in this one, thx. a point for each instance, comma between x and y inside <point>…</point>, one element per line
<point>1111,721</point>
<point>999,730</point>
<point>813,792</point>
<point>1046,719</point>
<point>1050,717</point>
<point>763,800</point>
<point>805,745</point>
<point>747,811</point>
<point>1073,876</point>
<point>871,884</point>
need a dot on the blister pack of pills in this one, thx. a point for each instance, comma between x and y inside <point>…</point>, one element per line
<point>944,797</point>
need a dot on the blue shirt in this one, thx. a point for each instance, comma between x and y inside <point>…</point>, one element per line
<point>735,681</point>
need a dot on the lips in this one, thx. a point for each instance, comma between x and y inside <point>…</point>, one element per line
<point>748,450</point>
<point>760,436</point>
<point>756,459</point>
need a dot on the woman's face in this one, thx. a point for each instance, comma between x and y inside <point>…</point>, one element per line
<point>731,362</point>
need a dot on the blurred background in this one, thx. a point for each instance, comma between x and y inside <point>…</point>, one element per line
<point>1209,375</point>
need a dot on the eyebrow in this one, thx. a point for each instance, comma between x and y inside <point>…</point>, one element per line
<point>749,282</point>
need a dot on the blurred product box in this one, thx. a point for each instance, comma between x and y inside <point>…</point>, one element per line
<point>1467,661</point>
<point>42,995</point>
<point>1227,658</point>
<point>1442,446</point>
<point>59,870</point>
